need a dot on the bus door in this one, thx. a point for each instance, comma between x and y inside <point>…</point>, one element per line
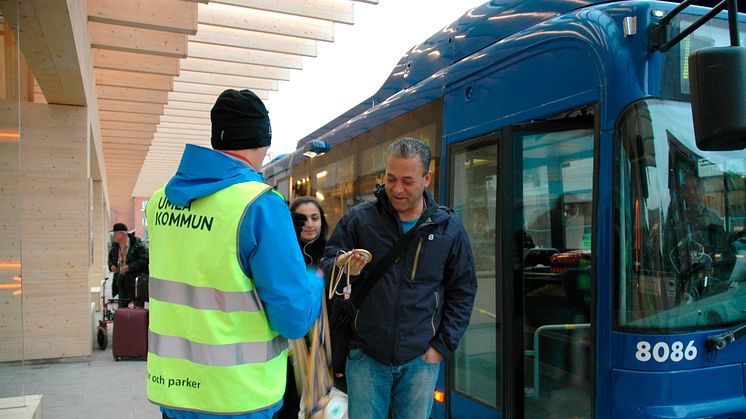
<point>525,196</point>
<point>475,377</point>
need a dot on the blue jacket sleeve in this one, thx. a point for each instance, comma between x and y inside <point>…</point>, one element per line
<point>270,255</point>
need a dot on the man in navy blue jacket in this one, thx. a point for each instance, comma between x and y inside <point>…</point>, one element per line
<point>420,306</point>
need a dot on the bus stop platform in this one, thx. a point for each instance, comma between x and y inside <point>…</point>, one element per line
<point>85,387</point>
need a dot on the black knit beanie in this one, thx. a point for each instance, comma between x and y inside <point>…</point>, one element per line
<point>239,121</point>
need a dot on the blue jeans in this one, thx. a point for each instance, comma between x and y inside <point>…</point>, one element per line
<point>373,387</point>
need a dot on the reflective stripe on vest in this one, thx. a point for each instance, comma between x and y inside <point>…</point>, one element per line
<point>204,298</point>
<point>216,355</point>
<point>210,345</point>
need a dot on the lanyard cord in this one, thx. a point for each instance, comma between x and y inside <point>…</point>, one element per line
<point>336,279</point>
<point>312,364</point>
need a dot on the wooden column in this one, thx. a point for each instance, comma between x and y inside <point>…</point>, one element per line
<point>100,243</point>
<point>54,215</point>
<point>52,225</point>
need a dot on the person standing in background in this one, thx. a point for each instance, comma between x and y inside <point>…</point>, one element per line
<point>311,229</point>
<point>128,259</point>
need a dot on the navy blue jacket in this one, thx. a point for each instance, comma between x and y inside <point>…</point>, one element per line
<point>425,298</point>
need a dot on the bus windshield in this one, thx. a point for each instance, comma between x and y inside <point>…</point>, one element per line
<point>681,236</point>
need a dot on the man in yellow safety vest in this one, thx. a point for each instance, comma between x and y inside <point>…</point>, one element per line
<point>228,283</point>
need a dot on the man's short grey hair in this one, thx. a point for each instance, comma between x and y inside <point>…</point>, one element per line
<point>408,148</point>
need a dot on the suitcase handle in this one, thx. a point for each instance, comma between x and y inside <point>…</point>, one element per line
<point>136,299</point>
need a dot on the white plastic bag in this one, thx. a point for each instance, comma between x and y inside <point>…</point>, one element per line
<point>336,407</point>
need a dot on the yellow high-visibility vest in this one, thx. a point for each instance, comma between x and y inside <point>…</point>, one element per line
<point>210,345</point>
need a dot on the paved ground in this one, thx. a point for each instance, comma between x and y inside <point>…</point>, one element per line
<point>80,388</point>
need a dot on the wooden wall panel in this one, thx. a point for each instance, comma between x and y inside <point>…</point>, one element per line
<point>52,201</point>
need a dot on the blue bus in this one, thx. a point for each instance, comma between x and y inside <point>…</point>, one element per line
<point>610,243</point>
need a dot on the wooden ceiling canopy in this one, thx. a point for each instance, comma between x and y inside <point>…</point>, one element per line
<point>159,65</point>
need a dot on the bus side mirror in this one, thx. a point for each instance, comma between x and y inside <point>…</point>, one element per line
<point>717,80</point>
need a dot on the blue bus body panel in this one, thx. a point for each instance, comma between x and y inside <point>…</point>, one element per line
<point>672,376</point>
<point>513,61</point>
<point>478,28</point>
<point>475,30</point>
<point>462,407</point>
<point>577,58</point>
<point>665,354</point>
<point>564,76</point>
<point>714,392</point>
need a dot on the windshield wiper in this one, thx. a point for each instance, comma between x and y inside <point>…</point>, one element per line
<point>721,340</point>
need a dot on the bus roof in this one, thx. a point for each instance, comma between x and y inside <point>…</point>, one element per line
<point>476,29</point>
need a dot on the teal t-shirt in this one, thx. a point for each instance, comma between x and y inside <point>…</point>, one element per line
<point>407,225</point>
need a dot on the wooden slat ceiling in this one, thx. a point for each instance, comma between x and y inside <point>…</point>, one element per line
<point>160,64</point>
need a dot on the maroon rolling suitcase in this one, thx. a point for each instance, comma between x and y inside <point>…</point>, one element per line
<point>130,333</point>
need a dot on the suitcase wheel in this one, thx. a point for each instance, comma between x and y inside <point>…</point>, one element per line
<point>102,338</point>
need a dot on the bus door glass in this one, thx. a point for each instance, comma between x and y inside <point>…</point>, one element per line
<point>476,373</point>
<point>553,188</point>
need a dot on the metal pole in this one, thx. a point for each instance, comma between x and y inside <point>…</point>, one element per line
<point>694,26</point>
<point>733,23</point>
<point>535,351</point>
<point>667,18</point>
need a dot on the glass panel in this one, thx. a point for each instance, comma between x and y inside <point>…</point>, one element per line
<point>301,178</point>
<point>682,216</point>
<point>374,159</point>
<point>372,167</point>
<point>283,186</point>
<point>474,192</point>
<point>675,81</point>
<point>11,298</point>
<point>555,200</point>
<point>11,290</point>
<point>334,188</point>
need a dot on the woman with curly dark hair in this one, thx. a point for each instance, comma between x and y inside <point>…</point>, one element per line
<point>311,229</point>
